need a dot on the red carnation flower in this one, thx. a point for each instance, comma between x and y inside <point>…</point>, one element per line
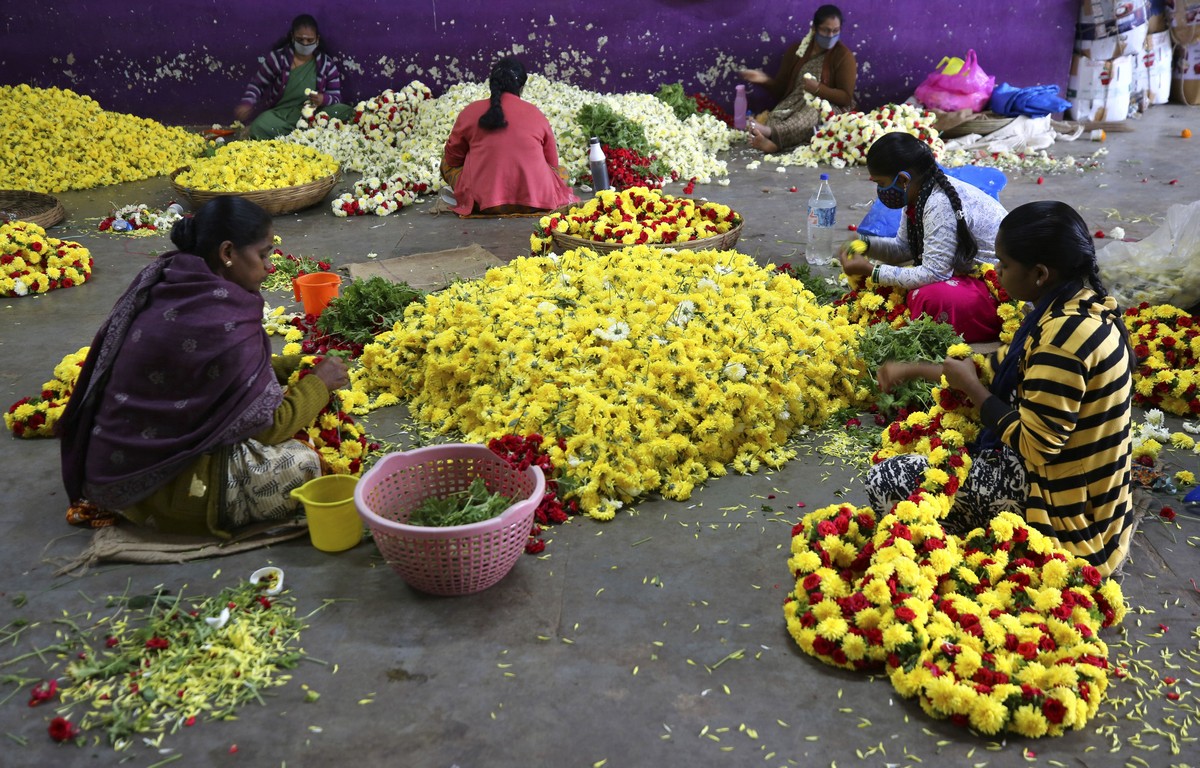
<point>42,693</point>
<point>61,729</point>
<point>1054,710</point>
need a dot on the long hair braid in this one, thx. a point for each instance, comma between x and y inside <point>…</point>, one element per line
<point>966,248</point>
<point>508,76</point>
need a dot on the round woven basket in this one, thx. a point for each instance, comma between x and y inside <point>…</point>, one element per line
<point>273,201</point>
<point>718,242</point>
<point>982,124</point>
<point>34,207</point>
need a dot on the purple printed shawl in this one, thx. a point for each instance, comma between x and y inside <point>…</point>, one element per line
<point>181,367</point>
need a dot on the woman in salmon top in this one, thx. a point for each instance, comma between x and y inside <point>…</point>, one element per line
<point>501,156</point>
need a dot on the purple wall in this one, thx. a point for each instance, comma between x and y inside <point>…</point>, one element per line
<point>187,61</point>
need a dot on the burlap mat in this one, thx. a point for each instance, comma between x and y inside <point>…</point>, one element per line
<point>439,207</point>
<point>430,271</point>
<point>136,544</point>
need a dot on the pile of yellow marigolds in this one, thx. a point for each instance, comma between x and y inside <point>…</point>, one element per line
<point>55,140</point>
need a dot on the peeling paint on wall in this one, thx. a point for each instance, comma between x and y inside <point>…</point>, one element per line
<point>185,66</point>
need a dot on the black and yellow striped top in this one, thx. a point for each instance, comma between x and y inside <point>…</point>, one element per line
<point>1071,426</point>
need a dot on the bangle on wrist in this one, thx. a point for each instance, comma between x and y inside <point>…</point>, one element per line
<point>875,274</point>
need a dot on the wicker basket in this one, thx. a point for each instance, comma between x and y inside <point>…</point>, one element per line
<point>983,124</point>
<point>720,242</point>
<point>34,207</point>
<point>457,559</point>
<point>273,201</point>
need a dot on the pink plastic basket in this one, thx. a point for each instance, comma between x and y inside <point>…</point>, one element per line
<point>459,559</point>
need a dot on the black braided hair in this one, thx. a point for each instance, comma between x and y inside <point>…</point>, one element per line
<point>508,76</point>
<point>228,217</point>
<point>898,152</point>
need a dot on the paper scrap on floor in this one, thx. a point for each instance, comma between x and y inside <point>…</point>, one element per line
<point>430,271</point>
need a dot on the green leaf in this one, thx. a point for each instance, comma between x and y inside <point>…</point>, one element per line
<point>673,96</point>
<point>366,308</point>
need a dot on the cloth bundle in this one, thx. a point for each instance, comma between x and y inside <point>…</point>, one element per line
<point>1034,101</point>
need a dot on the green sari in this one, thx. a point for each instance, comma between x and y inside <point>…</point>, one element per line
<point>281,119</point>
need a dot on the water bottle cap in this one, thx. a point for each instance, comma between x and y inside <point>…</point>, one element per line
<point>824,177</point>
<point>594,140</point>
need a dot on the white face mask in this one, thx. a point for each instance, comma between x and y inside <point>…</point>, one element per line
<point>304,50</point>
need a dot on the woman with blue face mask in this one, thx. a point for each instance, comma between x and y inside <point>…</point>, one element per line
<point>948,229</point>
<point>820,66</point>
<point>298,63</point>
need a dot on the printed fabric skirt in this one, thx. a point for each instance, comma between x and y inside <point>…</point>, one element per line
<point>261,478</point>
<point>994,484</point>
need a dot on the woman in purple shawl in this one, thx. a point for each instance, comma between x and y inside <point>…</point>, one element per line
<point>179,419</point>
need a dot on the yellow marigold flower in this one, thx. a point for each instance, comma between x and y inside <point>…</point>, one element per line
<point>1182,441</point>
<point>1185,477</point>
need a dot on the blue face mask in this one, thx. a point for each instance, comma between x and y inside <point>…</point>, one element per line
<point>894,196</point>
<point>827,41</point>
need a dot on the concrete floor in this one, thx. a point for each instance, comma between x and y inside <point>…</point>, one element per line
<point>637,612</point>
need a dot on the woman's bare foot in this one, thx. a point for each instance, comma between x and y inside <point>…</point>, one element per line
<point>759,140</point>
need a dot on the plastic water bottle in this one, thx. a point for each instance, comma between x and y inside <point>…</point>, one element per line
<point>597,164</point>
<point>120,225</point>
<point>822,215</point>
<point>175,208</point>
<point>739,108</point>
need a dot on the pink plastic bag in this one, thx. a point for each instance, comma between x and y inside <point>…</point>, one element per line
<point>968,88</point>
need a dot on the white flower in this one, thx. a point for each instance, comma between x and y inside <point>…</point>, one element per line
<point>706,284</point>
<point>218,621</point>
<point>616,331</point>
<point>735,371</point>
<point>723,269</point>
<point>1192,427</point>
<point>546,307</point>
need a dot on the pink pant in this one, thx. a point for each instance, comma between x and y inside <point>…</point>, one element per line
<point>963,302</point>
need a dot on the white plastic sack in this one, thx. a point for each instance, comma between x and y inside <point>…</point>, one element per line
<point>1162,269</point>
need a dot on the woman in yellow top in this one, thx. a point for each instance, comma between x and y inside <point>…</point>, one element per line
<point>819,65</point>
<point>1057,416</point>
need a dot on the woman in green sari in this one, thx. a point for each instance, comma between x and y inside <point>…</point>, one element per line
<point>299,63</point>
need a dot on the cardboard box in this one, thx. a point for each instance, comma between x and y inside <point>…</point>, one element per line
<point>1099,90</point>
<point>1132,40</point>
<point>1157,60</point>
<point>1185,83</point>
<point>1099,19</point>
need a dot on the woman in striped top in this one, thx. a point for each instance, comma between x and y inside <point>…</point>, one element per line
<point>298,64</point>
<point>1056,439</point>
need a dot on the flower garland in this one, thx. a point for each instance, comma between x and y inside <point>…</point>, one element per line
<point>940,434</point>
<point>247,166</point>
<point>31,262</point>
<point>56,140</point>
<point>1166,342</point>
<point>657,370</point>
<point>378,197</point>
<point>997,631</point>
<point>843,139</point>
<point>634,217</point>
<point>341,441</point>
<point>139,219</point>
<point>37,415</point>
<point>1013,637</point>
